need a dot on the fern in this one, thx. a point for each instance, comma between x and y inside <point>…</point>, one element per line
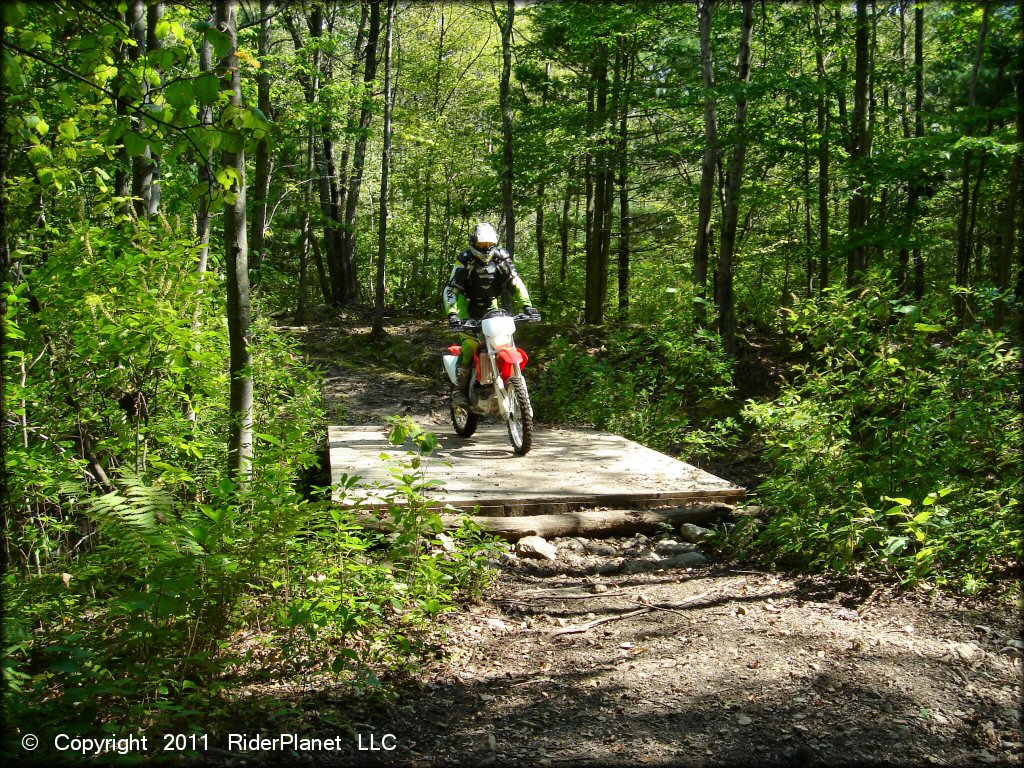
<point>142,515</point>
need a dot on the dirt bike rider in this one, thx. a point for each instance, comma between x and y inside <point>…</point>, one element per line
<point>478,278</point>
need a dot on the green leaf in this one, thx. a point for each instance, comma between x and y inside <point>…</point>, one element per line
<point>134,144</point>
<point>180,94</point>
<point>206,87</point>
<point>928,328</point>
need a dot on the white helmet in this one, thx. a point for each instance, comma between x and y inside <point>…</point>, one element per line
<point>483,238</point>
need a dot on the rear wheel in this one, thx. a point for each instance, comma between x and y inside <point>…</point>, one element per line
<point>463,420</point>
<point>520,425</point>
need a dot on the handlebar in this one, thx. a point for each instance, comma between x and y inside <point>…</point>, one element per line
<point>475,325</point>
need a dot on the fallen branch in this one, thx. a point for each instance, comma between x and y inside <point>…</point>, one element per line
<point>578,628</point>
<point>555,595</point>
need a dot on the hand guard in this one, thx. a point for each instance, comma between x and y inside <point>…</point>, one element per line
<point>532,312</point>
<point>454,323</point>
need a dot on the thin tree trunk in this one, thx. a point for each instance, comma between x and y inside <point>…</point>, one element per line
<point>915,186</point>
<point>1004,265</point>
<point>357,53</point>
<point>307,231</point>
<point>349,291</point>
<point>122,175</point>
<point>625,224</point>
<point>563,231</point>
<point>903,272</point>
<point>236,251</point>
<point>508,208</point>
<point>155,12</point>
<point>204,217</point>
<point>856,260</point>
<point>594,298</point>
<point>726,254</point>
<point>963,240</point>
<point>142,164</point>
<point>258,236</point>
<point>705,9</point>
<point>378,331</point>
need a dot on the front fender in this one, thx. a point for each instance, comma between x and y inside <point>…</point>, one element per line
<point>509,358</point>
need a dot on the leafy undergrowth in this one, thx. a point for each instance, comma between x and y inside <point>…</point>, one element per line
<point>896,449</point>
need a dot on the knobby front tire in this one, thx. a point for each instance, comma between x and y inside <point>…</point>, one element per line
<point>520,426</point>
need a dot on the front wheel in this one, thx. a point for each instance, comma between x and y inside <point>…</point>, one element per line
<point>463,420</point>
<point>520,423</point>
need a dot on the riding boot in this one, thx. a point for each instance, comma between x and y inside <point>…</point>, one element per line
<point>462,374</point>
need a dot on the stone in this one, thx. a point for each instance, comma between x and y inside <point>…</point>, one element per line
<point>668,547</point>
<point>610,568</point>
<point>446,541</point>
<point>640,565</point>
<point>597,589</point>
<point>602,550</point>
<point>322,310</point>
<point>693,533</point>
<point>537,548</point>
<point>685,560</point>
<point>571,545</point>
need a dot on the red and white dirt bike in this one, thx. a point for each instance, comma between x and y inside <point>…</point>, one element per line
<point>496,385</point>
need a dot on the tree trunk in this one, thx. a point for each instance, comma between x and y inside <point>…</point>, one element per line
<point>823,153</point>
<point>594,297</point>
<point>236,252</point>
<point>155,12</point>
<point>726,254</point>
<point>625,225</point>
<point>508,209</point>
<point>378,331</point>
<point>563,231</point>
<point>1004,265</point>
<point>142,165</point>
<point>349,291</point>
<point>257,239</point>
<point>903,271</point>
<point>204,217</point>
<point>122,175</point>
<point>963,239</point>
<point>705,9</point>
<point>307,238</point>
<point>856,258</point>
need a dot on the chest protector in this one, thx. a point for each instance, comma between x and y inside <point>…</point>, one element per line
<point>484,281</point>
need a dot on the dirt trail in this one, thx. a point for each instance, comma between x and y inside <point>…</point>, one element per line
<point>690,665</point>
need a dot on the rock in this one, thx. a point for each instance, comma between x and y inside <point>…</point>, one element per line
<point>685,560</point>
<point>447,542</point>
<point>641,566</point>
<point>693,533</point>
<point>744,720</point>
<point>966,651</point>
<point>610,568</point>
<point>602,550</point>
<point>537,548</point>
<point>597,589</point>
<point>668,548</point>
<point>322,310</point>
<point>571,545</point>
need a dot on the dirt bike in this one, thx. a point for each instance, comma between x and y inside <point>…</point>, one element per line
<point>496,385</point>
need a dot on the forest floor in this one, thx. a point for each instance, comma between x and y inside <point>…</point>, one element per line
<point>717,663</point>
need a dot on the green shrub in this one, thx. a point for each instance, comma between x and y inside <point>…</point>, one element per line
<point>897,447</point>
<point>664,385</point>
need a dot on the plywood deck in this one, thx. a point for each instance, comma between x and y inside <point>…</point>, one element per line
<point>566,469</point>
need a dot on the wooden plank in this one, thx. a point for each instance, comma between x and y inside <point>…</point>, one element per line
<point>566,469</point>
